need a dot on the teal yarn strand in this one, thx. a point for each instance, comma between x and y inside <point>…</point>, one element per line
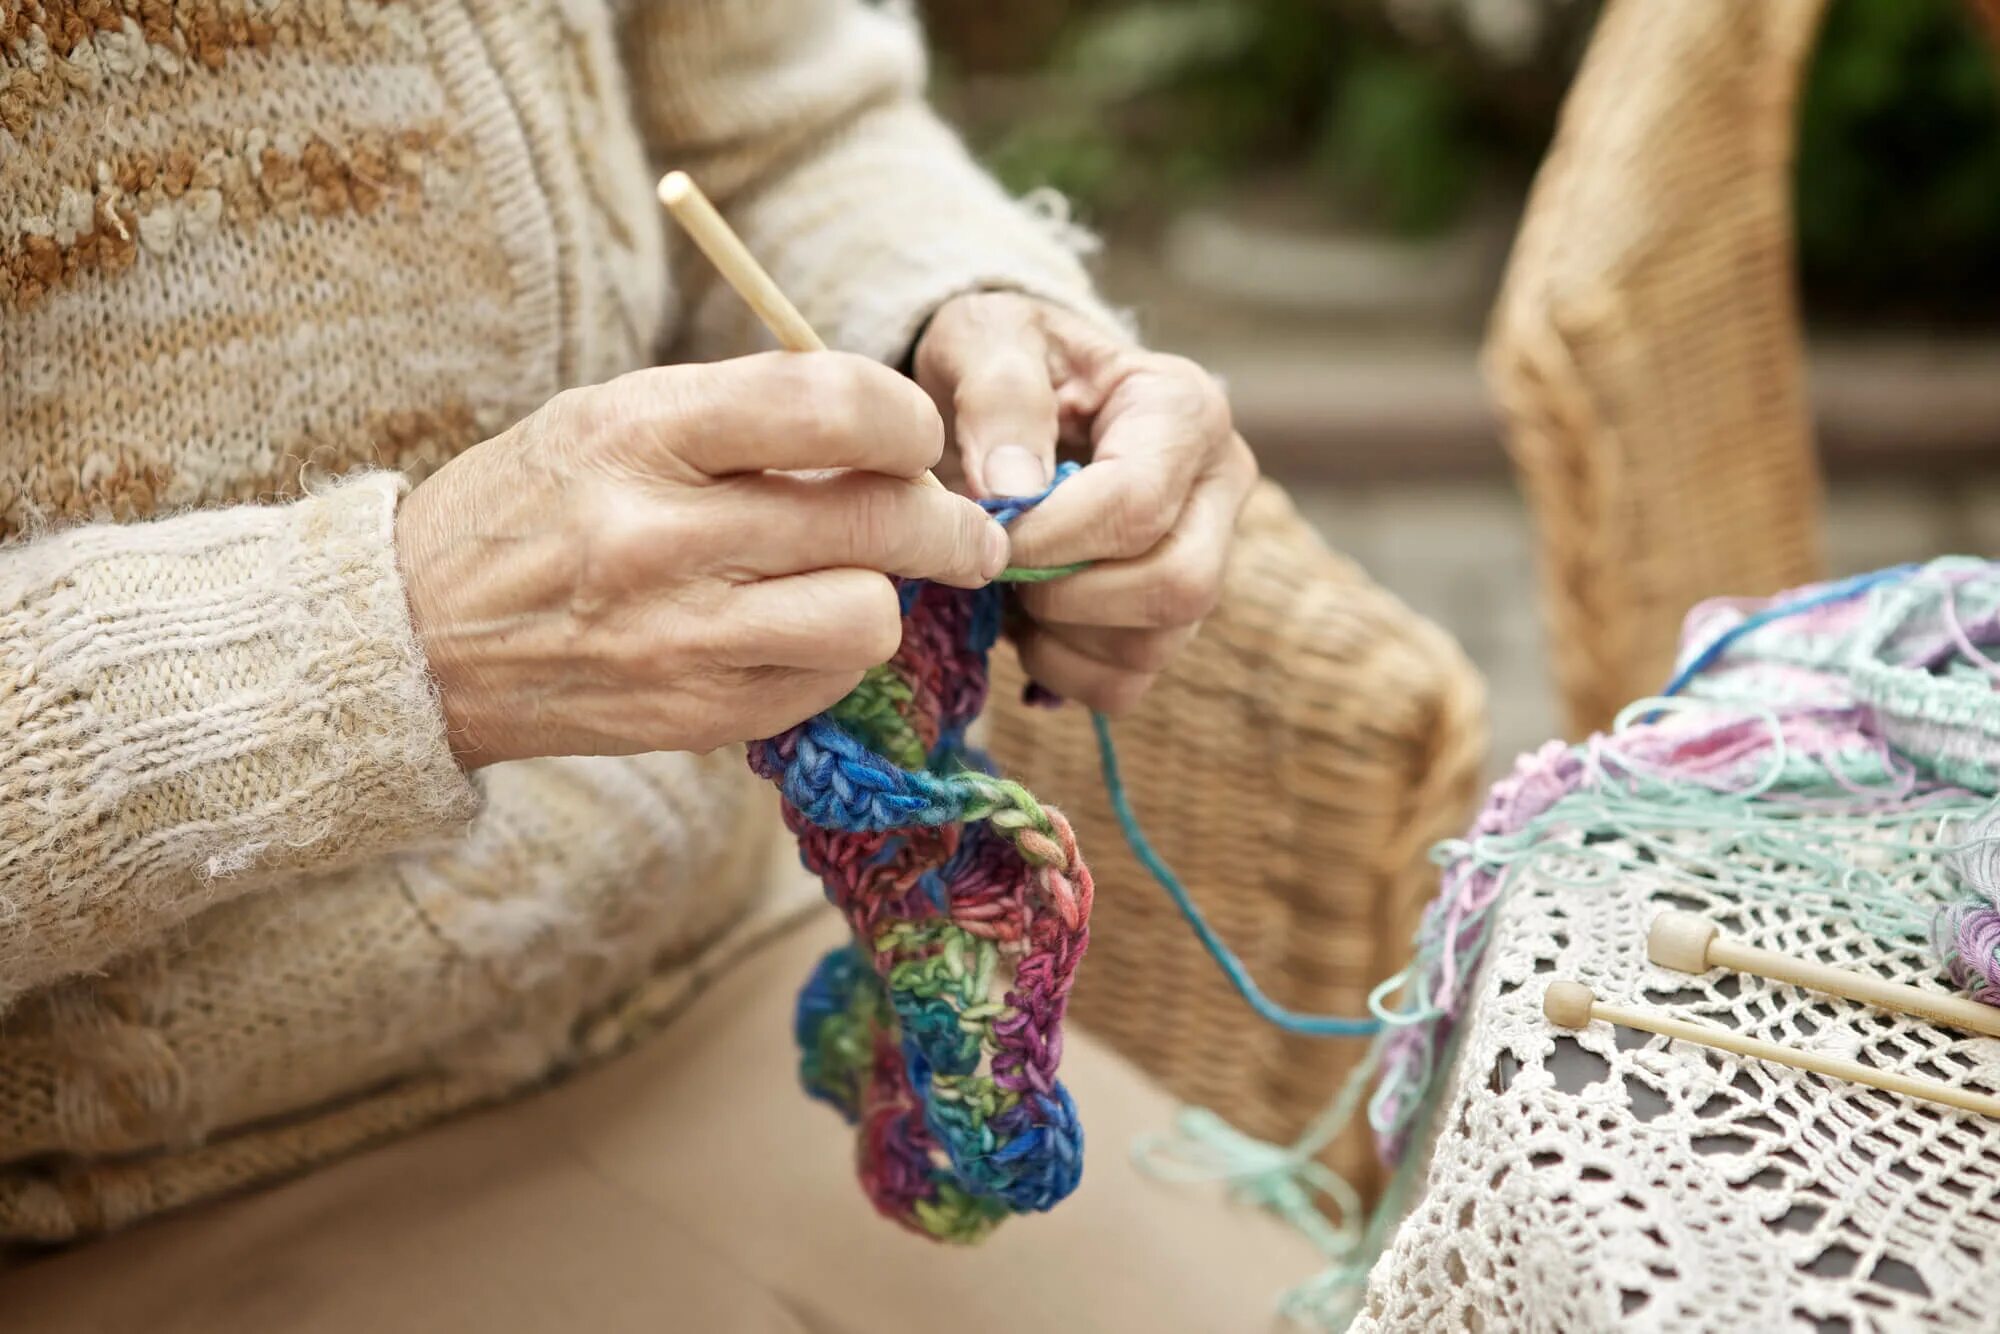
<point>1286,1181</point>
<point>1310,1025</point>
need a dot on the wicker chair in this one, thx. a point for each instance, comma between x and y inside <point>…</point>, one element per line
<point>1646,350</point>
<point>1293,767</point>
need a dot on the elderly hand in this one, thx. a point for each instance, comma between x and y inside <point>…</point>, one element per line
<point>618,573</point>
<point>1154,511</point>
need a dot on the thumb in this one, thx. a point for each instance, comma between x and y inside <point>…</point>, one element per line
<point>988,365</point>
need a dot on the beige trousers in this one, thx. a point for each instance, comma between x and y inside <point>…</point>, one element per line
<point>686,1186</point>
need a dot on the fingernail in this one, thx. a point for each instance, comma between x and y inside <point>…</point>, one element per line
<point>999,550</point>
<point>1013,471</point>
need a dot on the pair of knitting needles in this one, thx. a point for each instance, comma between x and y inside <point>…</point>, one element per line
<point>1688,943</point>
<point>715,238</point>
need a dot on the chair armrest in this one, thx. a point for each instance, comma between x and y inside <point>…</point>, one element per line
<point>1293,766</point>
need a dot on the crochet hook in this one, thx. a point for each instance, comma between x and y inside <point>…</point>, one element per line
<point>1689,943</point>
<point>715,238</point>
<point>1573,1005</point>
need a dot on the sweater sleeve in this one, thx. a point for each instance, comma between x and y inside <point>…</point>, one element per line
<point>805,121</point>
<point>188,704</point>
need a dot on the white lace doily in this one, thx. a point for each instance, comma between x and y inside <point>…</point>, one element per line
<point>1613,1180</point>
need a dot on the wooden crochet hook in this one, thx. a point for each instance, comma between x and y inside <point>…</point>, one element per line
<point>1573,1005</point>
<point>715,238</point>
<point>1689,943</point>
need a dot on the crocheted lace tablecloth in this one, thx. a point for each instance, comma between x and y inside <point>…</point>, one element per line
<point>1613,1180</point>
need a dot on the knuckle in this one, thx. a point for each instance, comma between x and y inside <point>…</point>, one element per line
<point>739,704</point>
<point>968,396</point>
<point>1003,374</point>
<point>630,659</point>
<point>618,537</point>
<point>1204,402</point>
<point>1118,693</point>
<point>878,639</point>
<point>608,541</point>
<point>827,689</point>
<point>1184,593</point>
<point>937,349</point>
<point>927,433</point>
<point>974,536</point>
<point>845,394</point>
<point>836,395</point>
<point>1243,459</point>
<point>575,418</point>
<point>868,521</point>
<point>877,619</point>
<point>961,543</point>
<point>1140,515</point>
<point>1150,653</point>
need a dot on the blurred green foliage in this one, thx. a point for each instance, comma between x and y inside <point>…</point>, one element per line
<point>1138,107</point>
<point>1899,163</point>
<point>1150,104</point>
<point>1397,135</point>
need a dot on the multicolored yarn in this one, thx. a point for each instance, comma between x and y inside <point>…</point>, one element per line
<point>938,1031</point>
<point>1870,699</point>
<point>1866,698</point>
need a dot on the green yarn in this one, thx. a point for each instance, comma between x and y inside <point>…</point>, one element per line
<point>1029,574</point>
<point>843,1047</point>
<point>877,712</point>
<point>957,1215</point>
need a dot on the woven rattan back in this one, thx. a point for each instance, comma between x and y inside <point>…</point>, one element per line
<point>1646,350</point>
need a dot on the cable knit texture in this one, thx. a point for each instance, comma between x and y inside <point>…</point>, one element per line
<point>263,265</point>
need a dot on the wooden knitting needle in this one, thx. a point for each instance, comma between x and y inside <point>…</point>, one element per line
<point>716,239</point>
<point>1689,943</point>
<point>1572,1005</point>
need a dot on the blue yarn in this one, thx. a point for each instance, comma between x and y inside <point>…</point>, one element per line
<point>1311,1025</point>
<point>826,994</point>
<point>1839,591</point>
<point>1006,510</point>
<point>837,782</point>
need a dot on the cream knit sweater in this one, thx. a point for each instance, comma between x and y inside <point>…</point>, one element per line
<point>251,912</point>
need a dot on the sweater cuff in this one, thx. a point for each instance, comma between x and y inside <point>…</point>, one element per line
<point>338,750</point>
<point>195,699</point>
<point>224,690</point>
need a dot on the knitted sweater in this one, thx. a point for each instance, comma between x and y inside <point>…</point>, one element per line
<point>251,911</point>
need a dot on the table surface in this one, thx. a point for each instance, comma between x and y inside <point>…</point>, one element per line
<point>1610,1179</point>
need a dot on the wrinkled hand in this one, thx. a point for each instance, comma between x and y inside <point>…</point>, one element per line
<point>616,574</point>
<point>1154,511</point>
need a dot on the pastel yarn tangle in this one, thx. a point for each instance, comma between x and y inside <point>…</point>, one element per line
<point>937,1031</point>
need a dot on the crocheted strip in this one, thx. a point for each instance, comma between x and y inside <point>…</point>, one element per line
<point>938,1031</point>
